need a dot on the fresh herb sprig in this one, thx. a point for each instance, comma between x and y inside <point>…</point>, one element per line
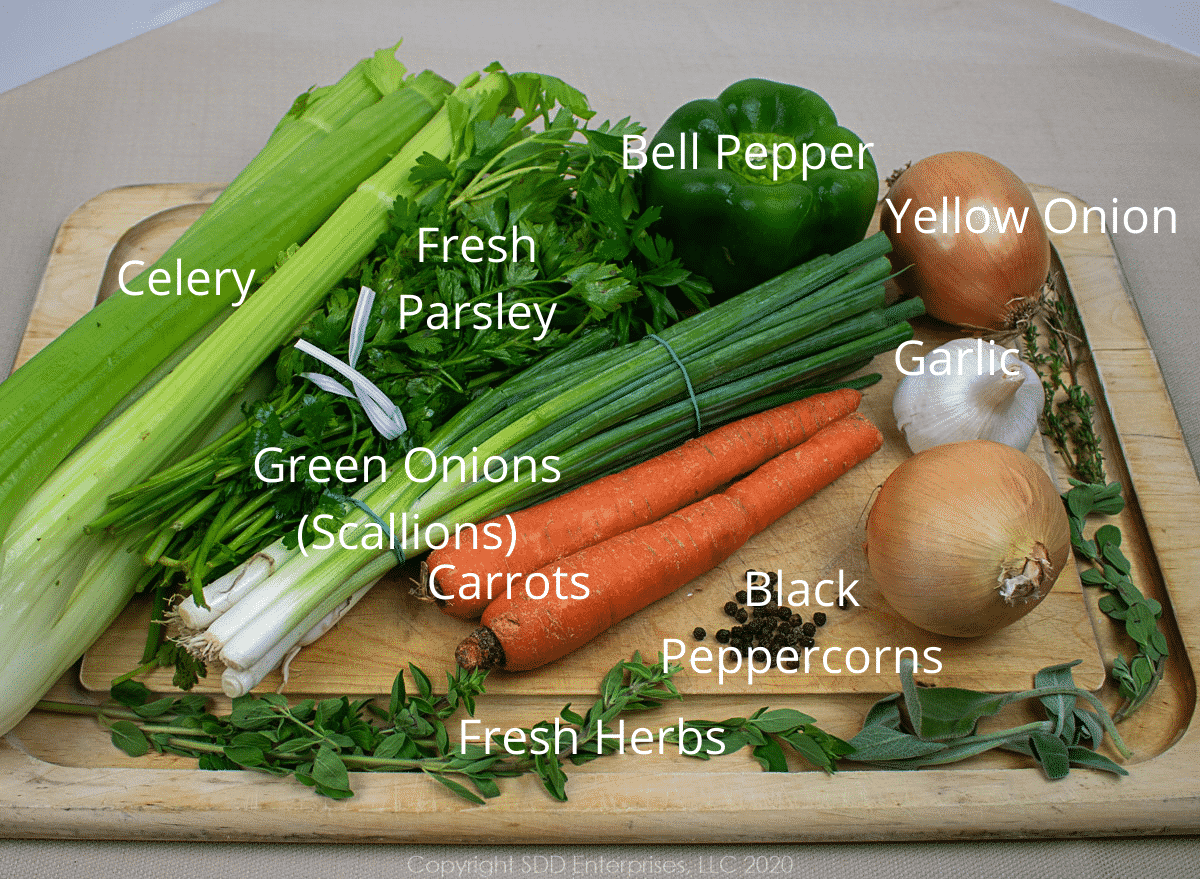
<point>636,686</point>
<point>939,725</point>
<point>1109,569</point>
<point>320,742</point>
<point>1069,411</point>
<point>1068,419</point>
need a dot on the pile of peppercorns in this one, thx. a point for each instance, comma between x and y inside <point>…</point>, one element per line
<point>769,626</point>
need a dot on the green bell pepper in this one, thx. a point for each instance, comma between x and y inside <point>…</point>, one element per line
<point>757,181</point>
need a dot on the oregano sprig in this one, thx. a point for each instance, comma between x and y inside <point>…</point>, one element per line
<point>1109,569</point>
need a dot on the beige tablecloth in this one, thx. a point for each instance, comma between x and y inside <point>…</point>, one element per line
<point>1063,99</point>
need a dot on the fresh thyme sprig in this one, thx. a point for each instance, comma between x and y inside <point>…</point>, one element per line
<point>1068,419</point>
<point>1068,413</point>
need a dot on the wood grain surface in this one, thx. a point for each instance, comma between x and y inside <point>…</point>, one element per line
<point>63,778</point>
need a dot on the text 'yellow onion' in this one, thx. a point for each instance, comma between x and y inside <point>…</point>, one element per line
<point>966,538</point>
<point>944,217</point>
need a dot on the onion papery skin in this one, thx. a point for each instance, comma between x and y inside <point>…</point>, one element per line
<point>950,522</point>
<point>979,281</point>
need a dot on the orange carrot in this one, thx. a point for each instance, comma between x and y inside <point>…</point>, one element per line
<point>614,504</point>
<point>631,570</point>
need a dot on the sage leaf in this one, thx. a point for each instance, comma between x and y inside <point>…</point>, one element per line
<point>1089,759</point>
<point>1051,752</point>
<point>1060,707</point>
<point>879,743</point>
<point>939,713</point>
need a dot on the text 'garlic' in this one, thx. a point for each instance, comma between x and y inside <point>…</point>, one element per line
<point>969,389</point>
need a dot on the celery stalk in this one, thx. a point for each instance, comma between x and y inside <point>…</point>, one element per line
<point>50,568</point>
<point>319,111</point>
<point>51,403</point>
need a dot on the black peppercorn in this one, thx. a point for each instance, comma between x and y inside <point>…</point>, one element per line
<point>730,608</point>
<point>809,629</point>
<point>722,636</point>
<point>819,618</point>
<point>698,633</point>
<point>740,615</point>
<point>740,596</point>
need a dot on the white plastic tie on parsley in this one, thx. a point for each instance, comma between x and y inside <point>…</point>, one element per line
<point>384,415</point>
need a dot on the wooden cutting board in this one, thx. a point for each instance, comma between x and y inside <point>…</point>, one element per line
<point>65,779</point>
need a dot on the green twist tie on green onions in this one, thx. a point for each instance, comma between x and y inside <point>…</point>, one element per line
<point>397,549</point>
<point>687,380</point>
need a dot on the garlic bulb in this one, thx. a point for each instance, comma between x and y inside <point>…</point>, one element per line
<point>969,389</point>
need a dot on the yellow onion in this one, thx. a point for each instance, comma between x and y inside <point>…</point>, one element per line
<point>966,538</point>
<point>984,279</point>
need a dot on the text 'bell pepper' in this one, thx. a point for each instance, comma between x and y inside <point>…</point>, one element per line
<point>756,181</point>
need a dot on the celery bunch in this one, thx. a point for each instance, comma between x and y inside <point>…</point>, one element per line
<point>61,588</point>
<point>327,144</point>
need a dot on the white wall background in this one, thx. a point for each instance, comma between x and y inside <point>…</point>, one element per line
<point>38,36</point>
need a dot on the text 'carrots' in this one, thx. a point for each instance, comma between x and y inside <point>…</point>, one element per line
<point>618,503</point>
<point>627,572</point>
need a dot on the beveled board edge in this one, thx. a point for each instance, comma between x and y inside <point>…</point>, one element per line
<point>40,799</point>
